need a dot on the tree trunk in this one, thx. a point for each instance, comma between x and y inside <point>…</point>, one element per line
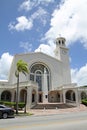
<point>17,94</point>
<point>25,95</point>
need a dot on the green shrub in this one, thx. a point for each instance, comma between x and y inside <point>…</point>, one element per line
<point>1,102</point>
<point>21,104</point>
<point>13,104</point>
<point>84,101</point>
<point>10,104</point>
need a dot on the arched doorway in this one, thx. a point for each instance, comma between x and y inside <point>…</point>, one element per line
<point>23,95</point>
<point>33,96</point>
<point>6,96</point>
<point>15,96</point>
<point>70,96</point>
<point>40,97</point>
<point>54,96</point>
<point>58,96</point>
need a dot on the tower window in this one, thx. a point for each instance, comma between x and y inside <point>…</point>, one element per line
<point>59,42</point>
<point>62,42</point>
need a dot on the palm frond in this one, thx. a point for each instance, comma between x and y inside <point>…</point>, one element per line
<point>22,67</point>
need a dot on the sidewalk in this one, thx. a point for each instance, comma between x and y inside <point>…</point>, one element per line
<point>57,111</point>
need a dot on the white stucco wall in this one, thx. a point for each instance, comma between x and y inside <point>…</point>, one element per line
<point>55,66</point>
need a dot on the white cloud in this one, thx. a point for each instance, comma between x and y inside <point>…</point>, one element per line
<point>45,2</point>
<point>79,75</point>
<point>45,49</point>
<point>22,24</point>
<point>70,21</point>
<point>40,14</point>
<point>26,5</point>
<point>26,46</point>
<point>29,4</point>
<point>5,63</point>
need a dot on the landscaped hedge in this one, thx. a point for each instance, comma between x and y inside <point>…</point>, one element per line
<point>1,102</point>
<point>13,104</point>
<point>84,101</point>
<point>20,105</point>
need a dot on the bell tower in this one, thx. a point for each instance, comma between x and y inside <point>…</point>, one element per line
<point>60,47</point>
<point>61,53</point>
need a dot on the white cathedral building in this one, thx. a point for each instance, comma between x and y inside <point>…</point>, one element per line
<point>49,79</point>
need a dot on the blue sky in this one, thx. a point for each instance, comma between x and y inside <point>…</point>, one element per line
<point>33,25</point>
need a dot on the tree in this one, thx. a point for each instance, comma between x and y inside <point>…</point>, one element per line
<point>21,67</point>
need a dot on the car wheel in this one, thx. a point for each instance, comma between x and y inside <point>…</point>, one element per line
<point>5,115</point>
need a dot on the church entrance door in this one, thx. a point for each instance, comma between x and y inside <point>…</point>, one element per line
<point>40,98</point>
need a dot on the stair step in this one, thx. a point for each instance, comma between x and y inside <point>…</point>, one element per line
<point>52,106</point>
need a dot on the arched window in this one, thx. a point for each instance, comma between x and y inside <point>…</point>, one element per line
<point>62,42</point>
<point>37,72</point>
<point>59,42</point>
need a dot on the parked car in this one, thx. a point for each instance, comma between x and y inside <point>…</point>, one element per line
<point>6,112</point>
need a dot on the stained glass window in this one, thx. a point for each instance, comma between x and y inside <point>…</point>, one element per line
<point>36,74</point>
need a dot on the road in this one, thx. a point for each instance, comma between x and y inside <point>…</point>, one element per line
<point>69,121</point>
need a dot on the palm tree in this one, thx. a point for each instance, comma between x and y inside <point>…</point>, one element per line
<point>21,67</point>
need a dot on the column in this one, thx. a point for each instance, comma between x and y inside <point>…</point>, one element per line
<point>77,98</point>
<point>29,97</point>
<point>36,96</point>
<point>13,95</point>
<point>61,97</point>
<point>64,97</point>
<point>45,87</point>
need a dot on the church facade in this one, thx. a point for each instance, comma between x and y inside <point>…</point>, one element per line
<point>49,79</point>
